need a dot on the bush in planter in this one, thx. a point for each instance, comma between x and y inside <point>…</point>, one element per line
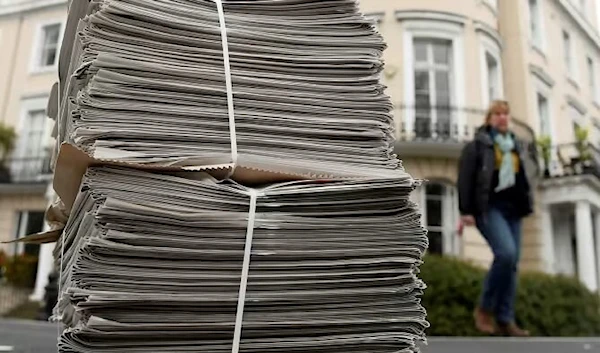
<point>545,146</point>
<point>20,271</point>
<point>2,263</point>
<point>546,305</point>
<point>8,137</point>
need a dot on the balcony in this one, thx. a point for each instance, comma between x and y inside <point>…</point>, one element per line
<point>443,131</point>
<point>25,174</point>
<point>572,160</point>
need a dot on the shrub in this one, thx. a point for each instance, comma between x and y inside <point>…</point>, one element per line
<point>546,305</point>
<point>2,263</point>
<point>20,271</point>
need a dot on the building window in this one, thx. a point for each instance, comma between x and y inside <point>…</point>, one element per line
<point>535,21</point>
<point>28,222</point>
<point>47,47</point>
<point>33,135</point>
<point>568,53</point>
<point>577,118</point>
<point>544,115</point>
<point>433,87</point>
<point>440,214</point>
<point>31,157</point>
<point>592,78</point>
<point>434,56</point>
<point>493,74</point>
<point>491,68</point>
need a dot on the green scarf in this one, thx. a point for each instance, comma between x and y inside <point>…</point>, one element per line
<point>506,174</point>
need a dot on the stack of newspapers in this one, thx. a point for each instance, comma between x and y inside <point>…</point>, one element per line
<point>162,251</point>
<point>154,262</point>
<point>147,84</point>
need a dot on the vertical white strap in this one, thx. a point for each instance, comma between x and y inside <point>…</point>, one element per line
<point>228,84</point>
<point>57,315</point>
<point>237,334</point>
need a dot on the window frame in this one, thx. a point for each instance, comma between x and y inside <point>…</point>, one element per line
<point>490,47</point>
<point>537,41</point>
<point>569,55</point>
<point>19,153</point>
<point>434,29</point>
<point>593,80</point>
<point>432,68</point>
<point>38,43</point>
<point>451,242</point>
<point>20,229</point>
<point>576,115</point>
<point>29,105</point>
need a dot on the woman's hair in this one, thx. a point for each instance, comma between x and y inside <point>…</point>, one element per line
<point>497,106</point>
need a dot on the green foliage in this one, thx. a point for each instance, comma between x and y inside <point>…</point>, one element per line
<point>8,136</point>
<point>3,259</point>
<point>27,311</point>
<point>583,147</point>
<point>545,146</point>
<point>20,271</point>
<point>546,305</point>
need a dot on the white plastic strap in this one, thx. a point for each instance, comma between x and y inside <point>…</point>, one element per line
<point>228,85</point>
<point>57,315</point>
<point>237,334</point>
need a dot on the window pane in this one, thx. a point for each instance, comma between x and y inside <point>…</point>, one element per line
<point>534,20</point>
<point>34,133</point>
<point>435,243</point>
<point>48,51</point>
<point>420,51</point>
<point>442,86</point>
<point>544,117</point>
<point>434,189</point>
<point>441,52</point>
<point>434,213</point>
<point>49,57</point>
<point>492,72</point>
<point>567,50</point>
<point>422,82</point>
<point>51,35</point>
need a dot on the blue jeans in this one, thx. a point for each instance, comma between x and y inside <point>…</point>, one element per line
<point>503,234</point>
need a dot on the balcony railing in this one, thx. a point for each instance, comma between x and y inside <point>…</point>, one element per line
<point>437,123</point>
<point>572,159</point>
<point>443,131</point>
<point>25,170</point>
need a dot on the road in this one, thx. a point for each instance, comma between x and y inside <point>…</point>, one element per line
<point>38,337</point>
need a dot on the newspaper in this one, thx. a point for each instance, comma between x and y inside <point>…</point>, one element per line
<point>153,263</point>
<point>144,82</point>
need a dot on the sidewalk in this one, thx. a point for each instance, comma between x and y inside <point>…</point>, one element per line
<point>512,345</point>
<point>40,337</point>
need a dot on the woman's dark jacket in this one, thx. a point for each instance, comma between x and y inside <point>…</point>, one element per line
<point>477,179</point>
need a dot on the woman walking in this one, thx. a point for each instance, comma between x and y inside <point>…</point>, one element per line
<point>494,195</point>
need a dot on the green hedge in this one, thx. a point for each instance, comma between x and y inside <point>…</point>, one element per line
<point>546,305</point>
<point>20,271</point>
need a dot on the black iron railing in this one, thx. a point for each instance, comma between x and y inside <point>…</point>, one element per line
<point>435,123</point>
<point>451,124</point>
<point>442,123</point>
<point>25,170</point>
<point>575,159</point>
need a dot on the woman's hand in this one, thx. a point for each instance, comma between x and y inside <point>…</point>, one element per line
<point>468,220</point>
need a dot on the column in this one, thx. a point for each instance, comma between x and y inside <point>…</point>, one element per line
<point>586,257</point>
<point>45,266</point>
<point>548,254</point>
<point>45,259</point>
